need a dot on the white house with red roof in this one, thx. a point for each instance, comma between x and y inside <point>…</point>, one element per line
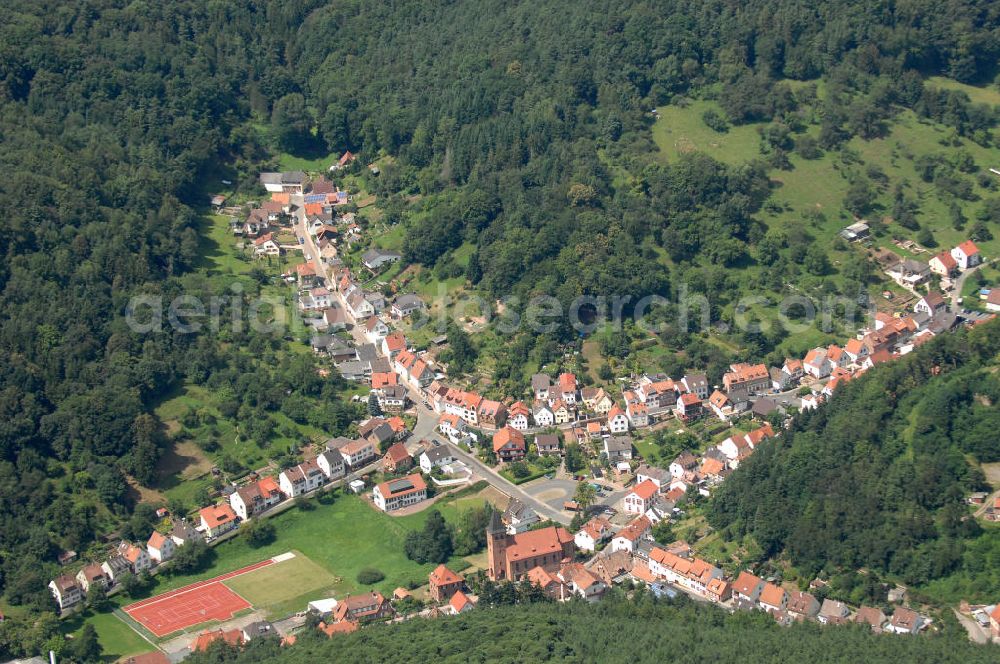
<point>459,603</point>
<point>509,445</point>
<point>816,363</point>
<point>617,420</point>
<point>453,426</point>
<point>567,388</point>
<point>217,519</point>
<point>398,493</point>
<point>266,245</point>
<point>943,264</point>
<point>595,531</point>
<point>967,255</point>
<point>137,557</point>
<point>518,416</point>
<point>160,547</point>
<point>748,587</point>
<point>628,538</point>
<point>689,406</point>
<point>773,598</point>
<point>392,344</point>
<point>639,499</point>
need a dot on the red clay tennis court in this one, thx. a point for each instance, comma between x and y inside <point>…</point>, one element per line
<point>191,605</point>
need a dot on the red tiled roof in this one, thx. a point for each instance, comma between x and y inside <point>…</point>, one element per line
<point>506,436</point>
<point>646,489</point>
<point>772,595</point>
<point>754,437</point>
<point>635,528</point>
<point>216,515</point>
<point>746,583</point>
<point>416,481</point>
<point>537,542</point>
<point>233,637</point>
<point>712,467</point>
<point>518,408</point>
<point>397,453</point>
<point>342,627</point>
<point>968,248</point>
<point>382,379</point>
<point>459,601</point>
<point>395,342</point>
<point>947,260</point>
<point>442,576</point>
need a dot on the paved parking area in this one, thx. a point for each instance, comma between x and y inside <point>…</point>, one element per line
<point>552,492</point>
<point>557,491</point>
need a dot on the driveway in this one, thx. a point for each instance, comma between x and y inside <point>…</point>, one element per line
<point>976,633</point>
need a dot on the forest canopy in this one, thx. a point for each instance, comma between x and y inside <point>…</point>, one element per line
<point>639,629</point>
<point>878,478</point>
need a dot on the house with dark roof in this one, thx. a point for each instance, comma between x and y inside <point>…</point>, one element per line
<point>375,258</point>
<point>406,304</point>
<point>518,517</point>
<point>435,457</point>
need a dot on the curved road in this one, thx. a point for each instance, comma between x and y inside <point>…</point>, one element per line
<point>427,419</point>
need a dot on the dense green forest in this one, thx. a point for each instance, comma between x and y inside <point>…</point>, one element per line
<point>878,478</point>
<point>523,131</point>
<point>614,630</point>
<point>113,119</point>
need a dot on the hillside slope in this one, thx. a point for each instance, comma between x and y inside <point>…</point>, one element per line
<point>878,477</point>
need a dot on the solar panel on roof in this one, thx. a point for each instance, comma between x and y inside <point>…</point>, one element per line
<point>400,485</point>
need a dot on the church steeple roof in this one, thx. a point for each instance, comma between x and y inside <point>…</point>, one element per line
<point>496,526</point>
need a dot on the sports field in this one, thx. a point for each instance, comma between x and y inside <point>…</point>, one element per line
<point>282,583</point>
<point>191,605</point>
<point>286,586</point>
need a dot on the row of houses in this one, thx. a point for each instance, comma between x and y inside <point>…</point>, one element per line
<point>70,591</point>
<point>633,555</point>
<point>338,457</point>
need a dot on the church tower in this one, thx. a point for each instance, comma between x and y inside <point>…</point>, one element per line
<point>496,547</point>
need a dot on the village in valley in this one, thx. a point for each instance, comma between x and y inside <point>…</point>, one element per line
<point>581,505</point>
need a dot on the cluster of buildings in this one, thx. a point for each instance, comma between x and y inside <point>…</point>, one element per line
<point>948,264</point>
<point>337,458</point>
<point>126,559</point>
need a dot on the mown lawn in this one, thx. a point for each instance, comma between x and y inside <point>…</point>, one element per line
<point>680,130</point>
<point>342,538</point>
<point>312,163</point>
<point>284,587</point>
<point>116,638</point>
